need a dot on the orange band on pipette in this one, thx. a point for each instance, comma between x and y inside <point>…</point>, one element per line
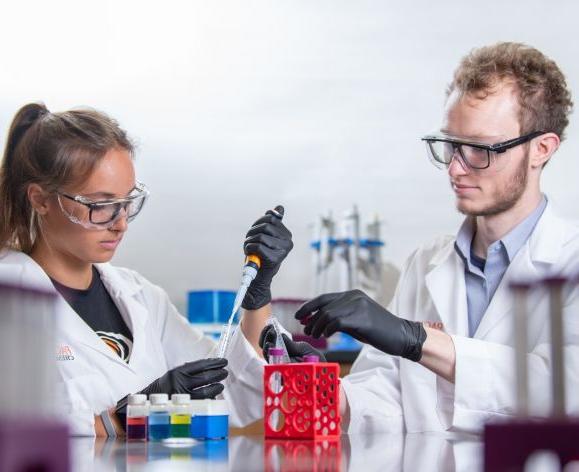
<point>253,258</point>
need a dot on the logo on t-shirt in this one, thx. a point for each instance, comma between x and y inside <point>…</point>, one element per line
<point>120,344</point>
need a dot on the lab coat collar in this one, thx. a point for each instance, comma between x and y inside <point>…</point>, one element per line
<point>446,285</point>
<point>72,324</point>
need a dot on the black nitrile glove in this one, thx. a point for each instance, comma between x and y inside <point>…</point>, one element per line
<point>361,317</point>
<point>201,379</point>
<point>269,239</point>
<point>295,350</point>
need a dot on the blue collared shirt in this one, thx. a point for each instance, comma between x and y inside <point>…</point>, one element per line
<point>484,276</point>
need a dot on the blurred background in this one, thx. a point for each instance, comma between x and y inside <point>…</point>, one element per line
<point>238,106</point>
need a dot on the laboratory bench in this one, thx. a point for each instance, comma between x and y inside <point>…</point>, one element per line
<point>247,453</point>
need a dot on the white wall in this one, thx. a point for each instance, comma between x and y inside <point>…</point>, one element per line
<point>238,106</point>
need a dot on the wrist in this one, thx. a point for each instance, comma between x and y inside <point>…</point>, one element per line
<point>416,336</point>
<point>258,296</point>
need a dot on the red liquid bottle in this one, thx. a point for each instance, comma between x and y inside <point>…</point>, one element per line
<point>137,416</point>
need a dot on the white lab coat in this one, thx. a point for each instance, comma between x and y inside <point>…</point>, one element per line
<point>92,378</point>
<point>386,393</point>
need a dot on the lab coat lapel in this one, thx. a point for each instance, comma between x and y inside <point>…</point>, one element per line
<point>446,285</point>
<point>70,323</point>
<point>502,303</point>
<point>133,311</point>
<point>543,247</point>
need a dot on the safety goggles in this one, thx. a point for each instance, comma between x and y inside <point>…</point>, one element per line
<point>103,214</point>
<point>442,149</point>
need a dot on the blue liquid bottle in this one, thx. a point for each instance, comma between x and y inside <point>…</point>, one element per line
<point>209,419</point>
<point>159,417</point>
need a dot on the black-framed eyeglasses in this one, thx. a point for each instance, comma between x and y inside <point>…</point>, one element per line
<point>442,149</point>
<point>102,213</point>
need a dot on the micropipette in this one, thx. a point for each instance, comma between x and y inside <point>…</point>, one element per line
<point>252,265</point>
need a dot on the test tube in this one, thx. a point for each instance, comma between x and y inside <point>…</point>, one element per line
<point>521,291</point>
<point>555,287</point>
<point>275,356</point>
<point>224,339</point>
<point>279,343</point>
<point>311,358</point>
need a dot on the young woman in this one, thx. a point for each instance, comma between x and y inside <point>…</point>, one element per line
<point>67,194</point>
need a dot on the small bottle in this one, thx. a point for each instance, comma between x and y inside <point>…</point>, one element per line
<point>209,419</point>
<point>137,411</point>
<point>180,415</point>
<point>159,417</point>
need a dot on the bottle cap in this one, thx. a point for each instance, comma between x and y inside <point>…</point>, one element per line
<point>137,399</point>
<point>275,351</point>
<point>158,398</point>
<point>181,398</point>
<point>311,358</point>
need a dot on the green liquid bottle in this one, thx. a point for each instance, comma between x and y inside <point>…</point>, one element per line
<point>180,415</point>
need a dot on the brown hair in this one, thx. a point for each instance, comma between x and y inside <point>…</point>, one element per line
<point>544,99</point>
<point>52,150</point>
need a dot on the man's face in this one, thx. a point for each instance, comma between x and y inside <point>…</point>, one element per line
<point>491,119</point>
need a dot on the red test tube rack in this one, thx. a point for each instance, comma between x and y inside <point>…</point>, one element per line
<point>301,400</point>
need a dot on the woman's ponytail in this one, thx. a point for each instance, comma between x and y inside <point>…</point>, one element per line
<point>26,117</point>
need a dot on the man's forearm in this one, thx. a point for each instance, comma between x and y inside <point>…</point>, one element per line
<point>438,354</point>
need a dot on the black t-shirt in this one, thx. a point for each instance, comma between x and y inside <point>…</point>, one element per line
<point>96,307</point>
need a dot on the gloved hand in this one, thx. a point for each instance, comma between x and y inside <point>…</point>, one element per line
<point>361,317</point>
<point>201,379</point>
<point>295,350</point>
<point>271,241</point>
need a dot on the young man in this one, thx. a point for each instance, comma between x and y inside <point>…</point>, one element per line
<point>505,115</point>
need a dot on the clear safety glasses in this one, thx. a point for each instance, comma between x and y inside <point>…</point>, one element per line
<point>103,214</point>
<point>442,149</point>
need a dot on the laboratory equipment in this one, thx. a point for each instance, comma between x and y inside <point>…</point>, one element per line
<point>275,357</point>
<point>279,343</point>
<point>137,413</point>
<point>311,358</point>
<point>159,417</point>
<point>209,307</point>
<point>180,415</point>
<point>252,265</point>
<point>209,419</point>
<point>509,444</point>
<point>308,404</point>
<point>31,435</point>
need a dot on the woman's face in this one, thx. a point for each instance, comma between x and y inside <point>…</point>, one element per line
<point>113,177</point>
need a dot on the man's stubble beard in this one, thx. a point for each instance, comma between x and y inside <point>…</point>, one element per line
<point>507,197</point>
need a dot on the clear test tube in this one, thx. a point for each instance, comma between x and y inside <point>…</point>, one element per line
<point>279,342</point>
<point>275,356</point>
<point>224,339</point>
<point>555,286</point>
<point>521,292</point>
